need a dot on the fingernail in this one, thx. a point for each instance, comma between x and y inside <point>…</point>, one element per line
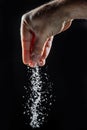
<point>41,63</point>
<point>32,64</point>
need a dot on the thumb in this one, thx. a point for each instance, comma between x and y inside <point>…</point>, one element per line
<point>37,49</point>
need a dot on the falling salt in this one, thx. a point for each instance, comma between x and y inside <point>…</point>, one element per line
<point>39,97</point>
<point>36,91</point>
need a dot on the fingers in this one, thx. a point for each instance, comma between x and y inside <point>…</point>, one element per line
<point>35,49</point>
<point>46,51</point>
<point>27,40</point>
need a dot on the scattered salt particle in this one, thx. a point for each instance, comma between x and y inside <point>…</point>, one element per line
<point>25,87</point>
<point>50,104</point>
<point>24,112</point>
<point>23,97</point>
<point>39,97</point>
<point>25,107</point>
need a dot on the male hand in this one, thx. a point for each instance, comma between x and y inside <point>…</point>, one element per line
<point>38,27</point>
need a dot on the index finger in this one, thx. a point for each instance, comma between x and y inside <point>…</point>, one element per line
<point>27,37</point>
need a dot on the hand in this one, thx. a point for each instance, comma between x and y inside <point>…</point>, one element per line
<point>38,28</point>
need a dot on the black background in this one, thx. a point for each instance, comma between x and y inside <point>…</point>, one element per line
<point>67,67</point>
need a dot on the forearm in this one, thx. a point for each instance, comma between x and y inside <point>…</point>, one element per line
<point>74,9</point>
<point>50,15</point>
<point>77,9</point>
<point>69,9</point>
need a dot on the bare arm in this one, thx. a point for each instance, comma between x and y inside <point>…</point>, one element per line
<point>40,25</point>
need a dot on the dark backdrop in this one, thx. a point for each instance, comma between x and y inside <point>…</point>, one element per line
<point>67,67</point>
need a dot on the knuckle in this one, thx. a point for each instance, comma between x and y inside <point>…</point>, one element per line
<point>23,17</point>
<point>26,19</point>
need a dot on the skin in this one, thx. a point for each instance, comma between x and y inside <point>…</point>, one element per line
<point>40,25</point>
